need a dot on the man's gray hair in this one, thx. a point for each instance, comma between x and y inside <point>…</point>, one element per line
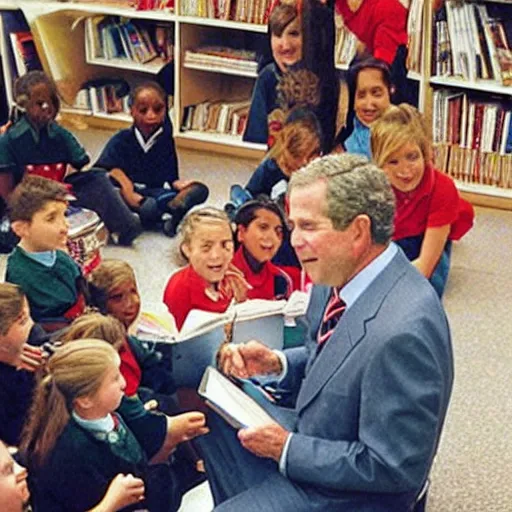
<point>354,187</point>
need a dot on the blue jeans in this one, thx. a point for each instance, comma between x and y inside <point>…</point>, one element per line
<point>412,247</point>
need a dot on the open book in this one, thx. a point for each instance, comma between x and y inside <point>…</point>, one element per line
<point>230,402</point>
<point>195,346</point>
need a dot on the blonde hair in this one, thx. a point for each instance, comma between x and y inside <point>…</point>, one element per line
<point>11,304</point>
<point>74,370</point>
<point>398,126</point>
<point>200,217</point>
<point>297,142</point>
<point>96,325</point>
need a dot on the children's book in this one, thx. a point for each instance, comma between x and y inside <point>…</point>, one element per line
<point>196,345</point>
<point>242,403</point>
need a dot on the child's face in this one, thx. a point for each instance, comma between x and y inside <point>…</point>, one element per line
<point>40,107</point>
<point>287,48</point>
<point>110,393</point>
<point>13,483</point>
<point>16,336</point>
<point>372,96</point>
<point>405,167</point>
<point>263,236</point>
<point>48,229</point>
<point>123,302</point>
<point>148,112</point>
<point>210,250</point>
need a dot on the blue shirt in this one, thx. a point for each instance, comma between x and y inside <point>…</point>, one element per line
<point>358,141</point>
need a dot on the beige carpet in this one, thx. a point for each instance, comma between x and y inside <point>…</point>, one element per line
<point>470,472</point>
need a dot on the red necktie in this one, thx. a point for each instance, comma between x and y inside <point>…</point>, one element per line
<point>333,311</point>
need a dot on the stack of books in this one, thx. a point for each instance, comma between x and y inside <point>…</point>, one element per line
<point>248,11</point>
<point>346,45</point>
<point>472,44</point>
<point>473,138</point>
<point>223,57</point>
<point>228,118</point>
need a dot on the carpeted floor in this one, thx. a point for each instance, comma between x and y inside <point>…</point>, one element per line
<point>471,469</point>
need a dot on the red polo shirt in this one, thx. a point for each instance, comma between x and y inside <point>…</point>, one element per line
<point>380,24</point>
<point>434,203</point>
<point>186,290</point>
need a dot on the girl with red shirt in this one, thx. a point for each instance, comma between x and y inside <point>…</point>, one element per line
<point>429,211</point>
<point>260,226</point>
<point>209,282</point>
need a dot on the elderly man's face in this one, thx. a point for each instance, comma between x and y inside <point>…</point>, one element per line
<point>326,254</point>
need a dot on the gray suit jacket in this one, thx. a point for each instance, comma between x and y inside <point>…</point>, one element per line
<point>372,403</point>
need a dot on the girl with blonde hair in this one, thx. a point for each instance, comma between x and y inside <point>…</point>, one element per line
<point>76,445</point>
<point>430,214</point>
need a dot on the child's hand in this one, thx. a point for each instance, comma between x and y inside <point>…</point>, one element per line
<point>234,284</point>
<point>188,425</point>
<point>124,490</point>
<point>31,358</point>
<point>181,184</point>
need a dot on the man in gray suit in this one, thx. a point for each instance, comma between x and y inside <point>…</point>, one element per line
<point>371,390</point>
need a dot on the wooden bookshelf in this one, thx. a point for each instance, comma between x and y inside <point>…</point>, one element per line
<point>489,92</point>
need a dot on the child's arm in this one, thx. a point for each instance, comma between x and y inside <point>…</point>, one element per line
<point>124,490</point>
<point>127,189</point>
<point>431,249</point>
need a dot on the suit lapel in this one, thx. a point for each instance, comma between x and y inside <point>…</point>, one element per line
<point>349,331</point>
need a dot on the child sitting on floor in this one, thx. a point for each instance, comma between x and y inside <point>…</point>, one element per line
<point>260,227</point>
<point>371,90</point>
<point>18,361</point>
<point>297,143</point>
<point>429,211</point>
<point>48,276</point>
<point>75,444</point>
<point>142,161</point>
<point>37,144</point>
<point>141,365</point>
<point>209,282</point>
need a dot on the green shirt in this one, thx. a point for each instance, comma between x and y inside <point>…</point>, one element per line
<point>23,145</point>
<point>50,291</point>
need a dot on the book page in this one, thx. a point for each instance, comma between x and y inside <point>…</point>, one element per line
<point>239,409</point>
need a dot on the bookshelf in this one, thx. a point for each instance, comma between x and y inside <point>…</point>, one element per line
<point>71,39</point>
<point>470,98</point>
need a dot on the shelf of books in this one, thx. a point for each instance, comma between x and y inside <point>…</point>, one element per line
<point>218,67</point>
<point>472,98</point>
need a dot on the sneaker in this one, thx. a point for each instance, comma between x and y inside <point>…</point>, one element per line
<point>127,237</point>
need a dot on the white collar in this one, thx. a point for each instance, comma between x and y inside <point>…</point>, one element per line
<point>146,145</point>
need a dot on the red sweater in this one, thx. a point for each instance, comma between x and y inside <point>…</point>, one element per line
<point>380,24</point>
<point>186,290</point>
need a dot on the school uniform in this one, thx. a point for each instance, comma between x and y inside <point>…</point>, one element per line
<point>270,282</point>
<point>268,179</point>
<point>25,149</point>
<point>263,103</point>
<point>83,463</point>
<point>16,390</point>
<point>434,203</point>
<point>53,292</point>
<point>187,290</point>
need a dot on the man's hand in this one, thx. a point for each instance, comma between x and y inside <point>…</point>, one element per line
<point>248,359</point>
<point>267,441</point>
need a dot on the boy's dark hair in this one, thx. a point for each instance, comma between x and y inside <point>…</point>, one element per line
<point>24,84</point>
<point>366,62</point>
<point>247,212</point>
<point>31,196</point>
<point>147,85</point>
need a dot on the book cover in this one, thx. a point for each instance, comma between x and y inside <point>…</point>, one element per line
<point>24,51</point>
